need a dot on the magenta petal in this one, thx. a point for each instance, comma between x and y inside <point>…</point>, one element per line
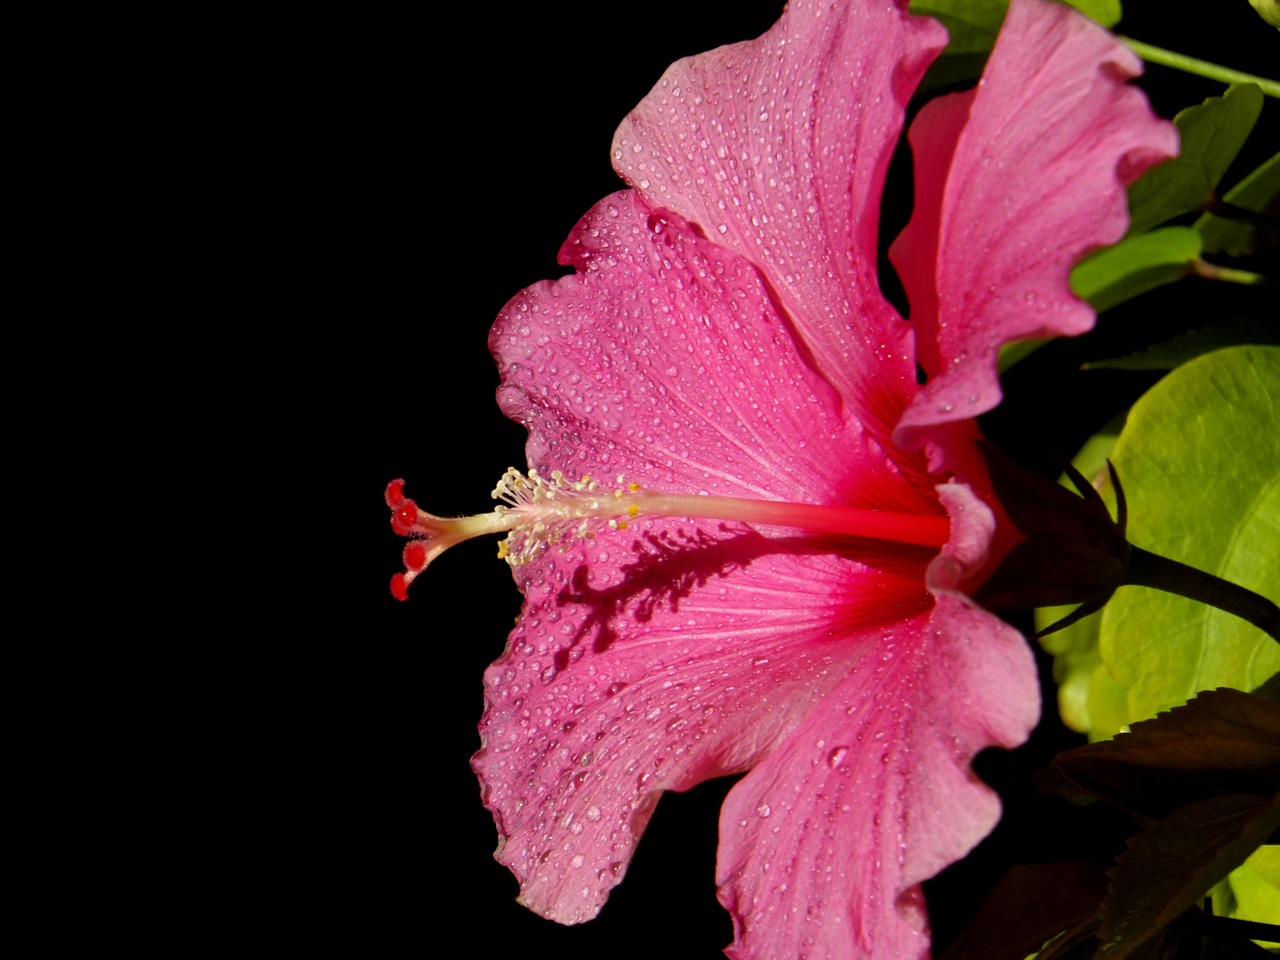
<point>665,360</point>
<point>777,149</point>
<point>1015,182</point>
<point>656,662</point>
<point>824,844</point>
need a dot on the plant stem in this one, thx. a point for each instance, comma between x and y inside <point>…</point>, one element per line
<point>1231,211</point>
<point>1148,569</point>
<point>1235,933</point>
<point>1201,68</point>
<point>1209,271</point>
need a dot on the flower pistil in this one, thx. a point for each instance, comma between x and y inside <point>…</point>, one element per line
<point>537,512</point>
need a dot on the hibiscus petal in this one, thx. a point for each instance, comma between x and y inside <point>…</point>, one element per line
<point>665,360</point>
<point>691,659</point>
<point>674,651</point>
<point>777,148</point>
<point>1016,181</point>
<point>824,844</point>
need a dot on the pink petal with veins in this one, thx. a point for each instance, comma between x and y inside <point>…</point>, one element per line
<point>654,662</point>
<point>665,359</point>
<point>824,844</point>
<point>1015,182</point>
<point>777,148</point>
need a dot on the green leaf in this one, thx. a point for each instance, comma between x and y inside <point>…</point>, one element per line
<point>1089,699</point>
<point>1268,10</point>
<point>1105,12</point>
<point>1252,892</point>
<point>1200,461</point>
<point>1269,690</point>
<point>1212,134</point>
<point>1258,192</point>
<point>1194,343</point>
<point>1135,265</point>
<point>971,24</point>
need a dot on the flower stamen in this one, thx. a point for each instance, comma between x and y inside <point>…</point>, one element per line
<point>537,512</point>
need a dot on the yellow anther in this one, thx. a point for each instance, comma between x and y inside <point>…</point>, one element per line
<point>633,511</point>
<point>634,488</point>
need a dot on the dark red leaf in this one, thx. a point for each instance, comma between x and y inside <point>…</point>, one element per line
<point>1030,906</point>
<point>1222,742</point>
<point>1174,862</point>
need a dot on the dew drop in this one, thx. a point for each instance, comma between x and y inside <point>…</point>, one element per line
<point>836,757</point>
<point>763,810</point>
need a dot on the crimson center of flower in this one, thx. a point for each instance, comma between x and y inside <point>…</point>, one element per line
<point>539,512</point>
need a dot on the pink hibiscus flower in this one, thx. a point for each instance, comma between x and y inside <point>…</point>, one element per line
<point>771,574</point>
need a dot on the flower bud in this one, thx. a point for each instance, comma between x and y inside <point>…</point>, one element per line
<point>1073,552</point>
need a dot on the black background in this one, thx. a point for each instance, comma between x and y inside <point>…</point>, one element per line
<point>413,173</point>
